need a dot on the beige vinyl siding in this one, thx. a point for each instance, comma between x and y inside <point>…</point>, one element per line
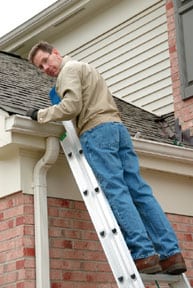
<point>133,57</point>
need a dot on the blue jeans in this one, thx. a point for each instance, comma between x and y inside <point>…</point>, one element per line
<point>147,231</point>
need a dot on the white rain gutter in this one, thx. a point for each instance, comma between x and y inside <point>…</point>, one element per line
<point>41,212</point>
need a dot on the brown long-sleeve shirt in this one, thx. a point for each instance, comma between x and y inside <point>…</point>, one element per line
<point>85,97</point>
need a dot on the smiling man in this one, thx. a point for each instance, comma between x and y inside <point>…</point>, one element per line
<point>49,61</point>
<point>108,148</point>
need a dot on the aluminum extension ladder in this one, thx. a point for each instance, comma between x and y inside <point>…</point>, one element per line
<point>117,253</point>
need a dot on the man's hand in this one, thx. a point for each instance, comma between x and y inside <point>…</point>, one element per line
<point>33,113</point>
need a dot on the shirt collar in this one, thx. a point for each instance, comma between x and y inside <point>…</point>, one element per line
<point>65,60</point>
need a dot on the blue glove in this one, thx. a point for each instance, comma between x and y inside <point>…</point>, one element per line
<point>54,97</point>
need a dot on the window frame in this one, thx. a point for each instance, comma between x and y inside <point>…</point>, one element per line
<point>181,7</point>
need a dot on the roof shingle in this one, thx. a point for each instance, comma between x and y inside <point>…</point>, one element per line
<point>22,87</point>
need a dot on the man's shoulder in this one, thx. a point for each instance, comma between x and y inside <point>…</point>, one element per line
<point>74,65</point>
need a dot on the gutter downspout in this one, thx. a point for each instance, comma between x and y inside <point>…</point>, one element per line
<point>41,212</point>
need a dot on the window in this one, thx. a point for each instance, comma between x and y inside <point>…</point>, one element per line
<point>184,28</point>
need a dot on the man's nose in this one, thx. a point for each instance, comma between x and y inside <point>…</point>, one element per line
<point>45,66</point>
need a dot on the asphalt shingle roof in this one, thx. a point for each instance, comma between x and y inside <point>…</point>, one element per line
<point>22,87</point>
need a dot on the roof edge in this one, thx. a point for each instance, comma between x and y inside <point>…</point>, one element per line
<point>24,125</point>
<point>50,16</point>
<point>171,158</point>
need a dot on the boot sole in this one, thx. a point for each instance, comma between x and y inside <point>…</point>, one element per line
<point>176,269</point>
<point>151,270</point>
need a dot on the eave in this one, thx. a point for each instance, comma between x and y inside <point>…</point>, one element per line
<point>51,21</point>
<point>22,132</point>
<point>164,157</point>
<point>153,155</point>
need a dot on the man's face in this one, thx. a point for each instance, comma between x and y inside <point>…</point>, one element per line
<point>49,63</point>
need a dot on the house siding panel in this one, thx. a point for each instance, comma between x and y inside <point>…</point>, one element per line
<point>133,57</point>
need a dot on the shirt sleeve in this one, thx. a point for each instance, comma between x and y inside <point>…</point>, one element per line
<point>69,87</point>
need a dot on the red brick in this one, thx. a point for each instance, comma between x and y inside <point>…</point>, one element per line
<point>29,251</point>
<point>61,243</point>
<point>20,264</point>
<point>56,274</point>
<point>59,203</point>
<point>20,285</point>
<point>56,285</point>
<point>20,220</point>
<point>6,225</point>
<point>28,230</point>
<point>1,216</point>
<point>169,5</point>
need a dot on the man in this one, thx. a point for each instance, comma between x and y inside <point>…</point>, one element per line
<point>107,146</point>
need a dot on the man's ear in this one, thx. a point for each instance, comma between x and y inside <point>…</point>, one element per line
<point>55,51</point>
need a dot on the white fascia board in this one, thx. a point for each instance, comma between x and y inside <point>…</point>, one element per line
<point>23,131</point>
<point>164,157</point>
<point>24,125</point>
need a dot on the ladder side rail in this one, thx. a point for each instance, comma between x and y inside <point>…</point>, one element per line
<point>80,179</point>
<point>76,146</point>
<point>185,279</point>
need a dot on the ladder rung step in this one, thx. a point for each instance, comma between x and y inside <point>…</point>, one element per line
<point>160,278</point>
<point>174,281</point>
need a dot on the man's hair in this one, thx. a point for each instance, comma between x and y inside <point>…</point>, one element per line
<point>43,46</point>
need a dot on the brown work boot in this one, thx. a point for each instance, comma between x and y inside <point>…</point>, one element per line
<point>149,265</point>
<point>173,265</point>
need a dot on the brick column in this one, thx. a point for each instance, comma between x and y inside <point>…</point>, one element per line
<point>17,251</point>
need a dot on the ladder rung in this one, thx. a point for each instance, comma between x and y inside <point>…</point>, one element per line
<point>147,278</point>
<point>173,281</point>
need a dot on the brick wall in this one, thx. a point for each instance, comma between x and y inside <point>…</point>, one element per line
<point>17,242</point>
<point>183,108</point>
<point>77,259</point>
<point>183,226</point>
